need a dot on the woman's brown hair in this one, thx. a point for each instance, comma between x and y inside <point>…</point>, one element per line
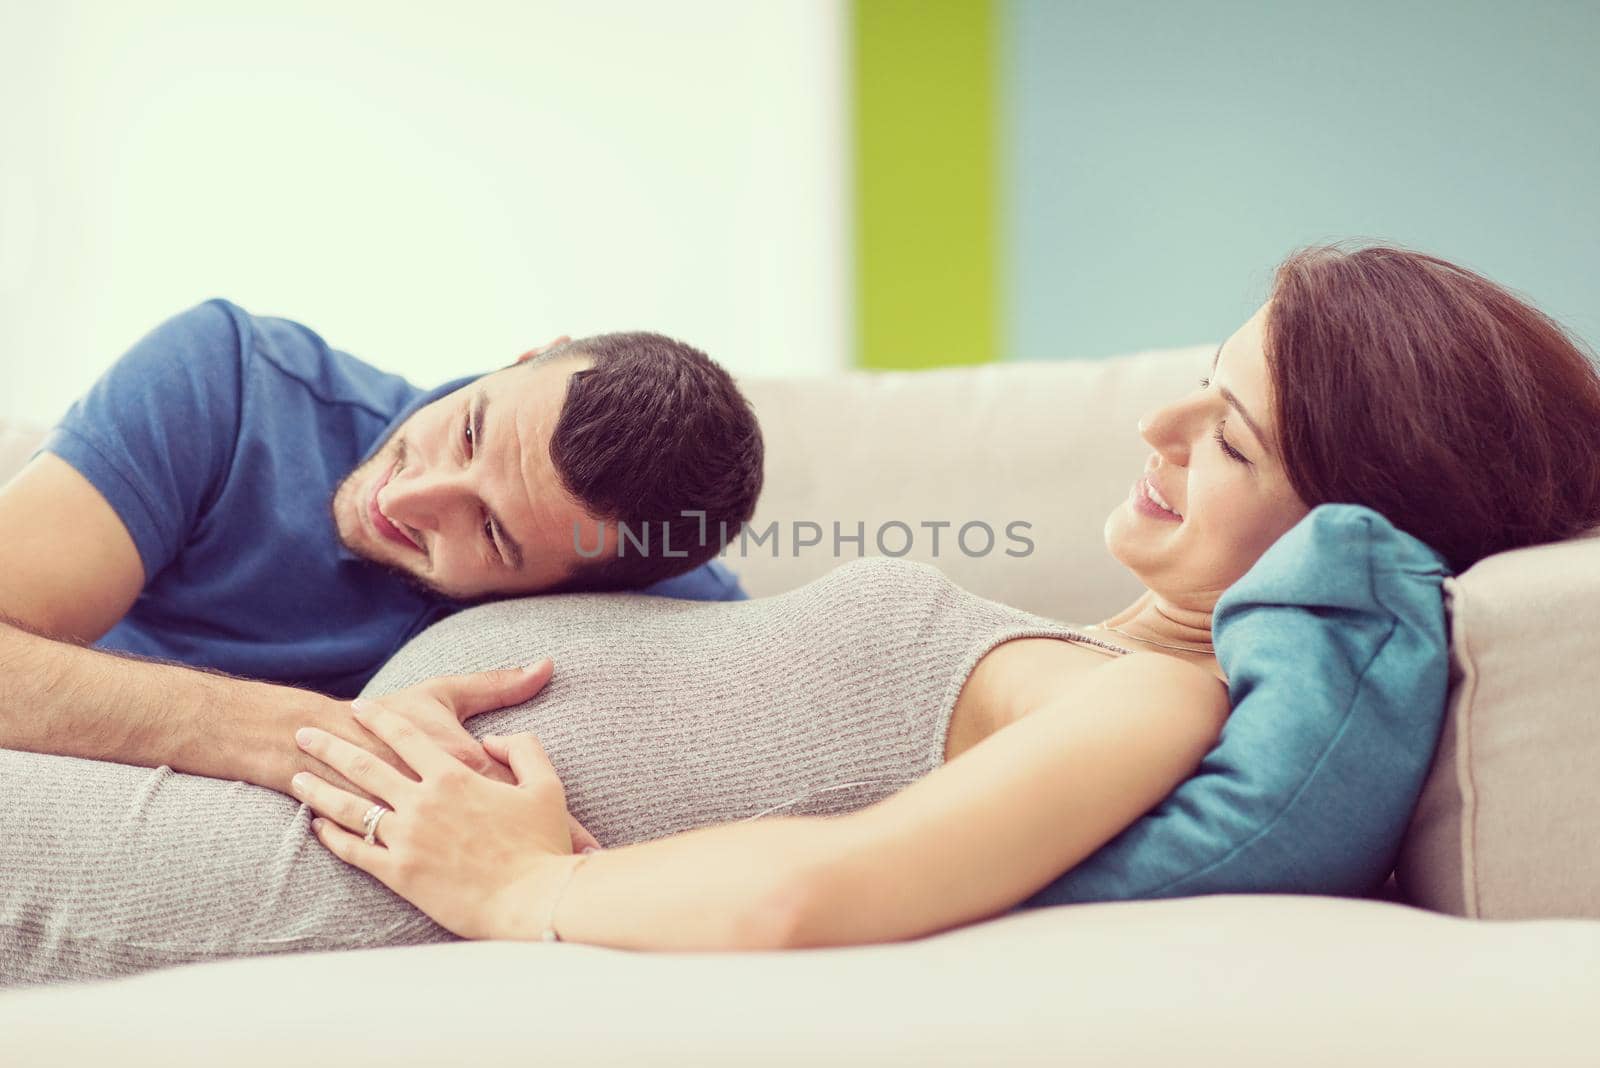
<point>1426,392</point>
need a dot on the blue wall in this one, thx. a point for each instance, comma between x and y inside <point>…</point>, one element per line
<point>1159,158</point>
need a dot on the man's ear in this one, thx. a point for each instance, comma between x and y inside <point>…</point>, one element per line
<point>546,347</point>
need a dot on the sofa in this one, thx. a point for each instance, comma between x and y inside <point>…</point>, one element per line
<point>1482,949</point>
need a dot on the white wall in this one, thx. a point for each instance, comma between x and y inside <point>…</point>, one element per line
<point>434,193</point>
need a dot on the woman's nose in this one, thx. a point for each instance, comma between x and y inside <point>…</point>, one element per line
<point>1166,428</point>
<point>1155,426</point>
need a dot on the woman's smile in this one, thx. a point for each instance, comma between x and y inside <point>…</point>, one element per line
<point>1144,504</point>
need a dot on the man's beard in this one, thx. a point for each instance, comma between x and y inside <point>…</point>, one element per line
<point>411,579</point>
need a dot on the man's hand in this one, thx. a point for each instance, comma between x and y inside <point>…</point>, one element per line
<point>438,708</point>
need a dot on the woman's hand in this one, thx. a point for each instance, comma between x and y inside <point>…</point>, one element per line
<point>476,855</point>
<point>438,708</point>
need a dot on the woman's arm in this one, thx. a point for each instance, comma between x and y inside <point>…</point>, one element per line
<point>1029,802</point>
<point>728,887</point>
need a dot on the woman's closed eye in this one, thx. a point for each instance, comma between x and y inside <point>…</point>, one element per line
<point>1233,453</point>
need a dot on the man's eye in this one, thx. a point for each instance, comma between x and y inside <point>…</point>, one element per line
<point>488,534</point>
<point>467,433</point>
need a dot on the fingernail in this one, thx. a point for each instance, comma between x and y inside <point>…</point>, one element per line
<point>299,781</point>
<point>316,824</point>
<point>303,735</point>
<point>591,849</point>
<point>359,705</point>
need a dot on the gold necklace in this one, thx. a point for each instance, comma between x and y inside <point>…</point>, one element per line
<point>1180,648</point>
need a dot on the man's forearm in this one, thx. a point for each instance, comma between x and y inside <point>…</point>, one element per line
<point>65,699</point>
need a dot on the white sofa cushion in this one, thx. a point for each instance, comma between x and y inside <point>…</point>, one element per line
<point>1227,981</point>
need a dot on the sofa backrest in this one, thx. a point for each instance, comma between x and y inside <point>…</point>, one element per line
<point>1054,445</point>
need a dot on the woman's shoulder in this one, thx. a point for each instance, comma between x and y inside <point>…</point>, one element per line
<point>1197,672</point>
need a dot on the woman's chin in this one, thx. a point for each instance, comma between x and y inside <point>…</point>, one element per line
<point>1136,543</point>
<point>1125,527</point>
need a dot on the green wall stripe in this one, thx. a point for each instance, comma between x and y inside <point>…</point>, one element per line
<point>925,226</point>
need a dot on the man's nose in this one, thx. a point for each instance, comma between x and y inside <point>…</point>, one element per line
<point>424,499</point>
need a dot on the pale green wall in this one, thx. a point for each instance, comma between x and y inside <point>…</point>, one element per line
<point>927,236</point>
<point>1159,158</point>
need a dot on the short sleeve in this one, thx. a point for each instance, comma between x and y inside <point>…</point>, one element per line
<point>155,435</point>
<point>711,581</point>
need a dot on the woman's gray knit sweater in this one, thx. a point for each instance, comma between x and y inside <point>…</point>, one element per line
<point>663,715</point>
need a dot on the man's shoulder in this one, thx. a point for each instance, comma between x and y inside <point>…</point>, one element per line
<point>288,354</point>
<point>218,345</point>
<point>711,581</point>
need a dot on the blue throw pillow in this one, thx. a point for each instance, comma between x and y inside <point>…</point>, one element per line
<point>1335,648</point>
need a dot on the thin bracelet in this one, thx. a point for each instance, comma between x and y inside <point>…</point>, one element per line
<point>549,934</point>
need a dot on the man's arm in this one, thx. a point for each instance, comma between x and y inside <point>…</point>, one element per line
<point>68,566</point>
<point>56,697</point>
<point>68,571</point>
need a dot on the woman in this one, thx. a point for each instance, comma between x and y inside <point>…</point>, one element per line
<point>877,755</point>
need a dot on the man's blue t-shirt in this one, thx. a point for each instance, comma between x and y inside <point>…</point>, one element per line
<point>219,440</point>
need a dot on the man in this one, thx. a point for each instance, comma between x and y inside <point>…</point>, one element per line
<point>234,496</point>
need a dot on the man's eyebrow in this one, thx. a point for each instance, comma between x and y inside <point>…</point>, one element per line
<point>513,551</point>
<point>1227,395</point>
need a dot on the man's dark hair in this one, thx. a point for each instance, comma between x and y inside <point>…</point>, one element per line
<point>653,429</point>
